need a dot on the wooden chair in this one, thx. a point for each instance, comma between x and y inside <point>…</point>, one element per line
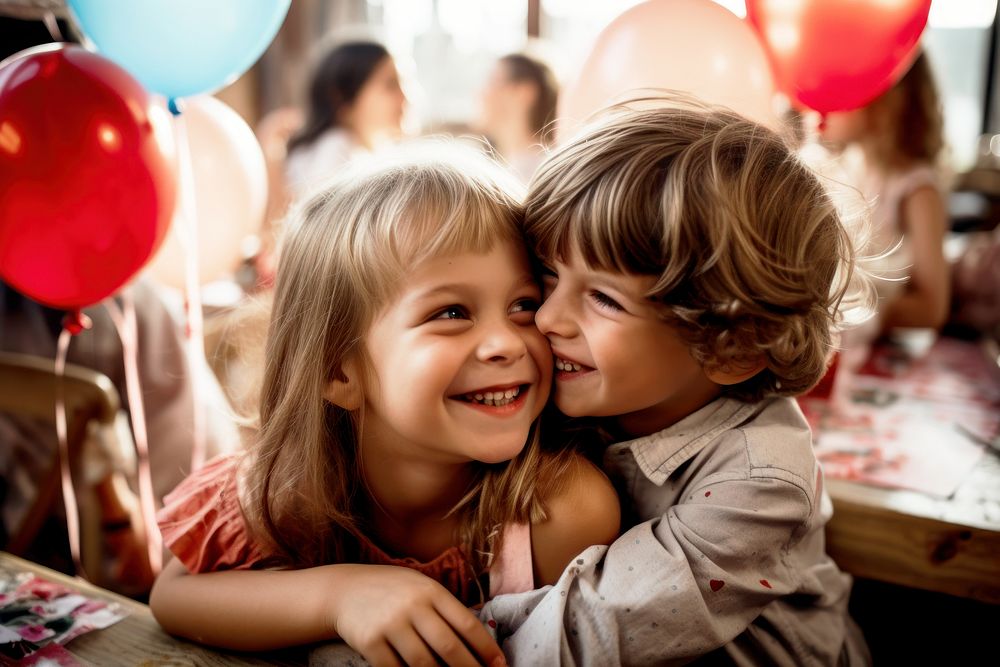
<point>28,389</point>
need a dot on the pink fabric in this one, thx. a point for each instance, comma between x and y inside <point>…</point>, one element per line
<point>512,570</point>
<point>203,526</point>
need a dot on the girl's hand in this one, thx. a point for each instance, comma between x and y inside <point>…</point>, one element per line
<point>395,615</point>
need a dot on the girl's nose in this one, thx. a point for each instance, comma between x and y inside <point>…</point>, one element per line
<point>503,343</point>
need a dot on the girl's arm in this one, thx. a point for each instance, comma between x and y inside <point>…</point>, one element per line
<point>924,303</point>
<point>383,612</point>
<point>583,511</point>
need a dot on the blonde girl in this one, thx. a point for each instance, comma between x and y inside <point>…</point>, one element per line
<point>398,475</point>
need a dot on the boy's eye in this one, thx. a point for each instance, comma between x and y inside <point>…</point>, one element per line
<point>549,282</point>
<point>451,313</point>
<point>605,301</point>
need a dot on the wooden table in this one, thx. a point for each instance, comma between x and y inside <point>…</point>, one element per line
<point>138,640</point>
<point>949,545</point>
<point>908,538</point>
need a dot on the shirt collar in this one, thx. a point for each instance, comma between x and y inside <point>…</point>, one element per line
<point>660,453</point>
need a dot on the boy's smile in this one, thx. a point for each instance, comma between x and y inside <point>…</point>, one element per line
<point>614,354</point>
<point>569,369</point>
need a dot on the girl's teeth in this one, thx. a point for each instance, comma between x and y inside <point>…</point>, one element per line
<point>494,398</point>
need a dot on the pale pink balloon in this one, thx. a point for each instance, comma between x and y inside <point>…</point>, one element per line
<point>694,46</point>
<point>230,193</point>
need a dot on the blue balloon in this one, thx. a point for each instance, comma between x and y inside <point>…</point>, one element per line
<point>181,47</point>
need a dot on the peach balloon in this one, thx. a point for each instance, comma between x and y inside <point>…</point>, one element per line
<point>230,193</point>
<point>695,46</point>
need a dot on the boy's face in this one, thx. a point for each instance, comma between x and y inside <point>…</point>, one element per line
<point>614,355</point>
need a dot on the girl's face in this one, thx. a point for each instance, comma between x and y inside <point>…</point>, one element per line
<point>377,112</point>
<point>614,354</point>
<point>845,127</point>
<point>462,371</point>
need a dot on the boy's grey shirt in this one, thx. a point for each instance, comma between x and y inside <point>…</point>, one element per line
<point>725,557</point>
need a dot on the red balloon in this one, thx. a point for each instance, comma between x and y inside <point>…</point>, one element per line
<point>836,55</point>
<point>87,184</point>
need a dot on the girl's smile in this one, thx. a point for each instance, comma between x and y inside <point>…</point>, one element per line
<point>497,397</point>
<point>465,371</point>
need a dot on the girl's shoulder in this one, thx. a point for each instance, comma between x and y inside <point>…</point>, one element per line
<point>202,522</point>
<point>914,177</point>
<point>581,509</point>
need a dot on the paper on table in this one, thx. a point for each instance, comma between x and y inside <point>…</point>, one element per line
<point>36,613</point>
<point>900,451</point>
<point>911,423</point>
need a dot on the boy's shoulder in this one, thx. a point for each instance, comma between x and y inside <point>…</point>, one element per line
<point>728,439</point>
<point>778,438</point>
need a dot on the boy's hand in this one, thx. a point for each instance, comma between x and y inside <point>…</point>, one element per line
<point>395,616</point>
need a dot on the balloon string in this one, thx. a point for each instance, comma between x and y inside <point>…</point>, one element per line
<point>822,122</point>
<point>194,331</point>
<point>76,322</point>
<point>49,19</point>
<point>65,471</point>
<point>125,323</point>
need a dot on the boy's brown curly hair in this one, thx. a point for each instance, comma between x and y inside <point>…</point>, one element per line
<point>750,255</point>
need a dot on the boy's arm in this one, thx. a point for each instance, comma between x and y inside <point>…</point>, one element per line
<point>583,511</point>
<point>381,611</point>
<point>671,588</point>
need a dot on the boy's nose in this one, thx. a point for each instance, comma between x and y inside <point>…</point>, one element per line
<point>552,318</point>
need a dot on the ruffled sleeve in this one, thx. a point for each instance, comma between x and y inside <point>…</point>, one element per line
<point>202,524</point>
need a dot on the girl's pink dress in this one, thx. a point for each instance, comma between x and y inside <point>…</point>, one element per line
<point>203,527</point>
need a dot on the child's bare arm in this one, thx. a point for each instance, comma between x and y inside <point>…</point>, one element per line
<point>381,611</point>
<point>925,301</point>
<point>583,511</point>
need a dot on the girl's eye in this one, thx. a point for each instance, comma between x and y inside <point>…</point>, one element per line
<point>605,301</point>
<point>525,309</point>
<point>451,313</point>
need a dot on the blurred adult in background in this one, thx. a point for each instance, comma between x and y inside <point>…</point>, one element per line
<point>518,103</point>
<point>355,105</point>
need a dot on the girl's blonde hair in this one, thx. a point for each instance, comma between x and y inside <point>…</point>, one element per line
<point>747,248</point>
<point>906,123</point>
<point>347,251</point>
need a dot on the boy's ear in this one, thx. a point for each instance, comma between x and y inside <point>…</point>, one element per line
<point>735,372</point>
<point>344,390</point>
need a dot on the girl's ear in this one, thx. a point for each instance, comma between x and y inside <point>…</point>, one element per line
<point>734,372</point>
<point>345,389</point>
